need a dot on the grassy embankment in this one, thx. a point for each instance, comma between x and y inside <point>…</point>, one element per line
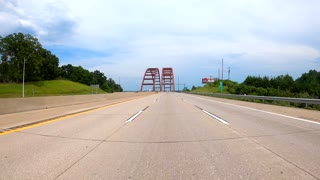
<point>45,88</point>
<point>215,87</point>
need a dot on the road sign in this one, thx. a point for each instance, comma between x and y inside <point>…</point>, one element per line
<point>204,80</point>
<point>221,86</point>
<point>208,80</point>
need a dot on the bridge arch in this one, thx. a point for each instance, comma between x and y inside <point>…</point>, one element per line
<point>167,79</point>
<point>151,78</point>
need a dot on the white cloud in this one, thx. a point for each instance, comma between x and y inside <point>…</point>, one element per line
<point>47,20</point>
<point>254,37</point>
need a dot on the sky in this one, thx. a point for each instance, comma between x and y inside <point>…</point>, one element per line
<point>122,38</point>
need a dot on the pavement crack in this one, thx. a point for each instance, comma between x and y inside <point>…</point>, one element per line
<point>251,138</point>
<point>85,155</point>
<point>284,134</point>
<point>176,142</point>
<point>61,137</point>
<point>283,158</point>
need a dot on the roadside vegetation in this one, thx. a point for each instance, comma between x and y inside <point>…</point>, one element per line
<point>46,88</point>
<point>41,66</point>
<point>306,86</point>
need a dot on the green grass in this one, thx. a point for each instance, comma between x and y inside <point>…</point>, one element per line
<point>45,88</point>
<point>211,89</point>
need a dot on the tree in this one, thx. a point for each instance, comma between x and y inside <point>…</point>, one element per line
<point>81,75</point>
<point>185,89</point>
<point>51,68</point>
<point>98,78</point>
<point>111,86</point>
<point>15,49</point>
<point>65,71</point>
<point>257,81</point>
<point>309,82</point>
<point>76,74</point>
<point>283,82</point>
<point>41,64</point>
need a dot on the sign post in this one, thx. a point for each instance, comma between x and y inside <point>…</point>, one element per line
<point>94,87</point>
<point>221,86</point>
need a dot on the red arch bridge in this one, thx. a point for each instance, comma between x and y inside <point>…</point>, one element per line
<point>152,80</point>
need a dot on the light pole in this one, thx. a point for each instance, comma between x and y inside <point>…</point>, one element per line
<point>24,68</point>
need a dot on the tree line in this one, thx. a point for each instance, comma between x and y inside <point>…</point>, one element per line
<point>18,49</point>
<point>306,86</point>
<point>81,75</point>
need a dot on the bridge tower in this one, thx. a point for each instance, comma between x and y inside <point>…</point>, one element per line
<point>151,78</point>
<point>167,79</point>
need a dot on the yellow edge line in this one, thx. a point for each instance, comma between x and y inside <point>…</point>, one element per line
<point>65,117</point>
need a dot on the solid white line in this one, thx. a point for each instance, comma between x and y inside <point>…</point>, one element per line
<point>216,117</point>
<point>133,117</point>
<point>299,119</point>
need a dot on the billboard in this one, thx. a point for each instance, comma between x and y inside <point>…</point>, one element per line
<point>208,80</point>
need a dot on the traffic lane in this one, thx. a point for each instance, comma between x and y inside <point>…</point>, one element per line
<point>296,141</point>
<point>111,160</point>
<point>310,114</point>
<point>46,151</point>
<point>301,149</point>
<point>137,152</point>
<point>169,120</point>
<point>231,159</point>
<point>21,118</point>
<point>249,121</point>
<point>217,159</point>
<point>95,125</point>
<point>26,156</point>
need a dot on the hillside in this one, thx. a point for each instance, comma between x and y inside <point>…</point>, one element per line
<point>215,87</point>
<point>45,88</point>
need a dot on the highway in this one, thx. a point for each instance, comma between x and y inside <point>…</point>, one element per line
<point>165,136</point>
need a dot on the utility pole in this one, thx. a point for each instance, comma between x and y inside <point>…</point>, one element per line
<point>24,68</point>
<point>229,74</point>
<point>178,84</point>
<point>23,73</point>
<point>138,86</point>
<point>218,73</point>
<point>222,70</point>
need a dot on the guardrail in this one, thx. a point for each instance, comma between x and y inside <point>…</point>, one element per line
<point>263,98</point>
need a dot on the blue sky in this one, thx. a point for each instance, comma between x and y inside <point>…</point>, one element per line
<point>122,38</point>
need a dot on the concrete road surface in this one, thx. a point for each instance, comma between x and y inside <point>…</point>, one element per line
<point>165,136</point>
